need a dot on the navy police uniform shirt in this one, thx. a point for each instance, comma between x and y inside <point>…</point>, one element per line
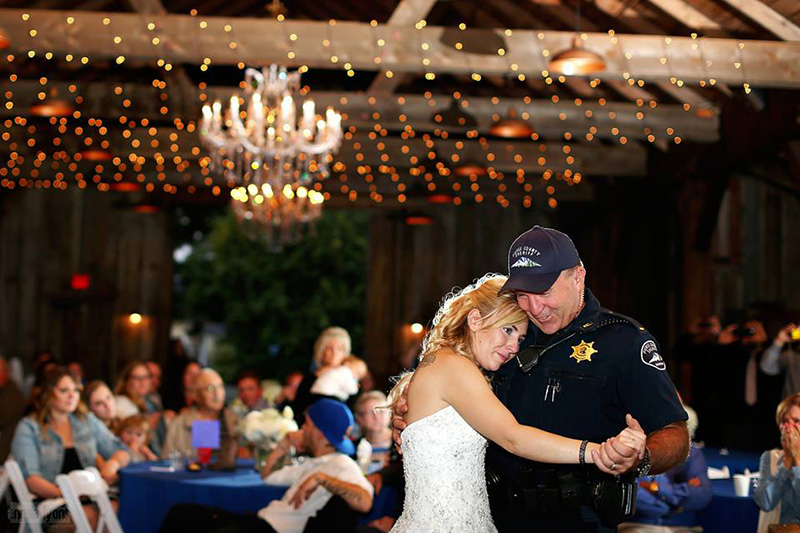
<point>592,373</point>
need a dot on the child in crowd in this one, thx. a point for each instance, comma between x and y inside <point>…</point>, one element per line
<point>340,381</point>
<point>134,432</point>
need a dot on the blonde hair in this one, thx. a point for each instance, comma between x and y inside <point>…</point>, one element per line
<point>333,333</point>
<point>786,404</point>
<point>139,422</point>
<point>450,327</point>
<point>375,395</point>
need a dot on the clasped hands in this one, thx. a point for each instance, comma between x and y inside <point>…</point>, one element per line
<point>621,454</point>
<point>790,442</point>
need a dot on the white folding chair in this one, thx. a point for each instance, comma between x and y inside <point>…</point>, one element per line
<point>3,482</point>
<point>30,518</point>
<point>88,483</point>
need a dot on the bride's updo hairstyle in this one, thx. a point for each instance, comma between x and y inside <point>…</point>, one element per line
<point>450,327</point>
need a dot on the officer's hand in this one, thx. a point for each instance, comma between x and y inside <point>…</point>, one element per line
<point>398,424</point>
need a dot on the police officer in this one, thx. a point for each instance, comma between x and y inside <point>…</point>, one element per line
<point>582,369</point>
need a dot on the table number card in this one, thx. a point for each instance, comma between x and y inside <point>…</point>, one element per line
<point>205,434</point>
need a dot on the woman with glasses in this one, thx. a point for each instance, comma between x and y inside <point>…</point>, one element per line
<point>209,404</point>
<point>61,436</point>
<point>133,398</point>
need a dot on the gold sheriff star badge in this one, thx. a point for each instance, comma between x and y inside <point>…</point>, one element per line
<point>583,351</point>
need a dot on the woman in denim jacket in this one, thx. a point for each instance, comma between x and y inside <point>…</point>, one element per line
<point>60,436</point>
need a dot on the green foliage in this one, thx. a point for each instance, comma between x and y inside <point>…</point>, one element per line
<point>274,305</point>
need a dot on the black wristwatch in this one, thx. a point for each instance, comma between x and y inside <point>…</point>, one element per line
<point>644,465</point>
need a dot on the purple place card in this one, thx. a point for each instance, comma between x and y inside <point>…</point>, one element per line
<point>205,434</point>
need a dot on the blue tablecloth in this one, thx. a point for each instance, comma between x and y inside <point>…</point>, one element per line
<point>728,512</point>
<point>146,496</point>
<point>736,460</point>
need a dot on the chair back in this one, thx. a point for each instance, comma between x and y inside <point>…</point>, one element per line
<point>30,518</point>
<point>4,482</point>
<point>89,483</point>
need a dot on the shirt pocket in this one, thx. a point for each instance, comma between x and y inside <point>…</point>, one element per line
<point>578,403</point>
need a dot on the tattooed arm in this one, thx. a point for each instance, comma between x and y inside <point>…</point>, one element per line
<point>356,497</point>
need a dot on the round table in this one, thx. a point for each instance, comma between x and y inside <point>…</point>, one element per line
<point>147,492</point>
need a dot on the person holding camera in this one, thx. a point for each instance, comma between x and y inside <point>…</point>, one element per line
<point>783,355</point>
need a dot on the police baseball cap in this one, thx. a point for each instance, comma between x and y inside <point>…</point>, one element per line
<point>335,420</point>
<point>536,259</point>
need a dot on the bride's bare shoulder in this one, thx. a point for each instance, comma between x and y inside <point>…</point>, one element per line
<point>445,360</point>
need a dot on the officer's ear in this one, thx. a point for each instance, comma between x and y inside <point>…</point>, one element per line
<point>580,274</point>
<point>475,320</point>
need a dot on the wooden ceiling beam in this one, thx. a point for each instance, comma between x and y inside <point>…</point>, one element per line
<point>262,41</point>
<point>686,14</point>
<point>406,14</point>
<point>766,17</point>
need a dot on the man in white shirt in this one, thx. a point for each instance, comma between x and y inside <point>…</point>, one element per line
<point>328,472</point>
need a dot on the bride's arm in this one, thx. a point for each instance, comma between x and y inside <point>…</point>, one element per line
<point>463,386</point>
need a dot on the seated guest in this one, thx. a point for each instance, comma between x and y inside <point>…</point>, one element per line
<point>385,467</point>
<point>188,378</point>
<point>13,407</point>
<point>327,473</point>
<point>134,396</point>
<point>76,369</point>
<point>341,381</point>
<point>134,432</point>
<point>154,396</point>
<point>60,436</point>
<point>375,428</point>
<point>778,489</point>
<point>132,390</point>
<point>668,502</point>
<point>98,398</point>
<point>323,437</point>
<point>209,404</point>
<point>251,395</point>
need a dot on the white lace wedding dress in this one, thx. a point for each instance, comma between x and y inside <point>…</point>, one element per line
<point>445,481</point>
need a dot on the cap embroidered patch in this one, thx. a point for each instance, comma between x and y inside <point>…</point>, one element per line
<point>525,262</point>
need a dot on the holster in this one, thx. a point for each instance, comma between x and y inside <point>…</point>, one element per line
<point>550,492</point>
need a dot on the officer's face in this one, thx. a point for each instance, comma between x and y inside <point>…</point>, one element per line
<point>493,347</point>
<point>554,309</point>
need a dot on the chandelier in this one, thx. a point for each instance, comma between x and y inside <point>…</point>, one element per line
<point>269,153</point>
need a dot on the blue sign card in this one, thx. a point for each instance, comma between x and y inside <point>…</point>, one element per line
<point>205,434</point>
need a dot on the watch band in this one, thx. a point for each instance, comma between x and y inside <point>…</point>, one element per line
<point>644,466</point>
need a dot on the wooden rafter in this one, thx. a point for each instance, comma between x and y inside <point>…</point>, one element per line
<point>767,17</point>
<point>259,41</point>
<point>407,13</point>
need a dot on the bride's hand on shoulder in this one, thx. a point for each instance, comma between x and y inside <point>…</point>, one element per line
<point>399,410</point>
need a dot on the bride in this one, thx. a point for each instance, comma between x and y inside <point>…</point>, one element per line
<point>452,411</point>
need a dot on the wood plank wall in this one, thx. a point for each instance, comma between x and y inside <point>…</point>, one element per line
<point>47,236</point>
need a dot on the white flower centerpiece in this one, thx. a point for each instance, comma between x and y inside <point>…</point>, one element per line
<point>263,430</point>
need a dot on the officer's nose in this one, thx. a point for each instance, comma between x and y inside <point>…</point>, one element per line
<point>535,305</point>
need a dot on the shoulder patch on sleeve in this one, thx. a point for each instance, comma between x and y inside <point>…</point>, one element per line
<point>651,357</point>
